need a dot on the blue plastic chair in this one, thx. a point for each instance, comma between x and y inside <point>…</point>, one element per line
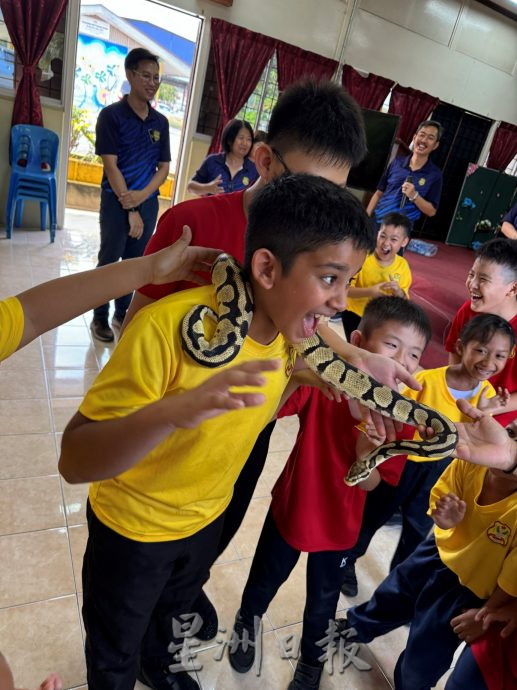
<point>35,146</point>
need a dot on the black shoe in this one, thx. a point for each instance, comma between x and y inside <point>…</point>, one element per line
<point>208,614</point>
<point>242,657</point>
<point>349,586</point>
<point>163,679</point>
<point>306,677</point>
<point>102,331</point>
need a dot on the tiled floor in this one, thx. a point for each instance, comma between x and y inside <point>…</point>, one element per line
<point>42,519</point>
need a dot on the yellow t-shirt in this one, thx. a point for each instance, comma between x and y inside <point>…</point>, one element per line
<point>11,326</point>
<point>482,548</point>
<point>373,273</point>
<point>187,481</point>
<point>435,393</point>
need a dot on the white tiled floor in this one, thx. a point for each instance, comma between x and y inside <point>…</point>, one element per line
<point>42,519</point>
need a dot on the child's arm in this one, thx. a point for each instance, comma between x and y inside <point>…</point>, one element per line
<point>448,511</point>
<point>484,441</point>
<point>497,404</point>
<point>506,613</point>
<point>51,304</point>
<point>378,290</point>
<point>468,626</point>
<point>53,682</point>
<point>92,451</point>
<point>364,445</point>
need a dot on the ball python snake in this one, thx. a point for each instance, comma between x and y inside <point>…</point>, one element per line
<point>235,311</point>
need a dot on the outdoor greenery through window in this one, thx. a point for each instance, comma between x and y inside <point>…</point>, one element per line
<point>259,105</point>
<point>50,67</point>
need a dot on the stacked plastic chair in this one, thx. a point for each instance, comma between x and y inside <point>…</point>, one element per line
<point>33,175</point>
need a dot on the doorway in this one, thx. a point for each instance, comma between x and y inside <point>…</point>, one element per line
<point>107,32</point>
<point>464,135</point>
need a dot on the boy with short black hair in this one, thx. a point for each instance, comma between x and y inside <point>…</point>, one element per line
<point>155,516</point>
<point>492,287</point>
<point>312,509</point>
<point>383,272</point>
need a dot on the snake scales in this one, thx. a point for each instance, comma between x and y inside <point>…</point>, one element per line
<point>235,310</point>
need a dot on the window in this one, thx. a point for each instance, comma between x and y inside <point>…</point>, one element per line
<point>259,105</point>
<point>257,109</point>
<point>50,67</point>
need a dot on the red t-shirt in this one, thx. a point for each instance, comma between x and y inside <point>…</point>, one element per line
<point>507,378</point>
<point>216,221</point>
<point>497,659</point>
<point>313,509</point>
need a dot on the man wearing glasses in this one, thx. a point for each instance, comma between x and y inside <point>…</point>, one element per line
<point>132,139</point>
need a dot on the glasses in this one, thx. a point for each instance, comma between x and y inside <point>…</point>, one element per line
<point>149,78</point>
<point>281,160</point>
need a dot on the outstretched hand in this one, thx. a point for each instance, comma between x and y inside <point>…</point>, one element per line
<point>390,373</point>
<point>484,441</point>
<point>505,614</point>
<point>180,261</point>
<point>217,394</point>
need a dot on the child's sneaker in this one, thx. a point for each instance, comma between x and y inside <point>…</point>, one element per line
<point>242,654</point>
<point>349,586</point>
<point>306,677</point>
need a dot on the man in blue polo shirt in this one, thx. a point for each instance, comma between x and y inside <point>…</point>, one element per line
<point>411,185</point>
<point>133,141</point>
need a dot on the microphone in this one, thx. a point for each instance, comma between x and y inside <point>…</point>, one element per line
<point>409,178</point>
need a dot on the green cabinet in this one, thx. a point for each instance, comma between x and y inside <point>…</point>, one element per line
<point>486,195</point>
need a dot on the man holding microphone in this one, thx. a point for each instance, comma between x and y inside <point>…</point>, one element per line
<point>412,184</point>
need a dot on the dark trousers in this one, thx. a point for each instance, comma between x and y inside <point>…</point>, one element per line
<point>116,243</point>
<point>350,322</point>
<point>411,496</point>
<point>466,674</point>
<point>272,564</point>
<point>245,487</point>
<point>131,592</point>
<point>425,594</point>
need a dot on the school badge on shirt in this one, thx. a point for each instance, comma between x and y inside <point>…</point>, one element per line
<point>291,359</point>
<point>154,134</point>
<point>421,181</point>
<point>499,533</point>
<point>246,180</point>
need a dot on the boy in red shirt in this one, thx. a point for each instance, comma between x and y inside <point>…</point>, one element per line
<point>312,509</point>
<point>492,287</point>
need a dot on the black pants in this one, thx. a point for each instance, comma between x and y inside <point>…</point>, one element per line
<point>423,593</point>
<point>116,243</point>
<point>272,564</point>
<point>245,487</point>
<point>131,592</point>
<point>412,497</point>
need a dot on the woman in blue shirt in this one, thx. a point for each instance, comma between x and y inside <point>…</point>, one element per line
<point>231,170</point>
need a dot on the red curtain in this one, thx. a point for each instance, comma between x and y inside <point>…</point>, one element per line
<point>240,56</point>
<point>413,107</point>
<point>30,24</point>
<point>504,147</point>
<point>369,92</point>
<point>294,63</point>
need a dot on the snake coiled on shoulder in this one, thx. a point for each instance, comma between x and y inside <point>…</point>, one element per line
<point>235,311</point>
